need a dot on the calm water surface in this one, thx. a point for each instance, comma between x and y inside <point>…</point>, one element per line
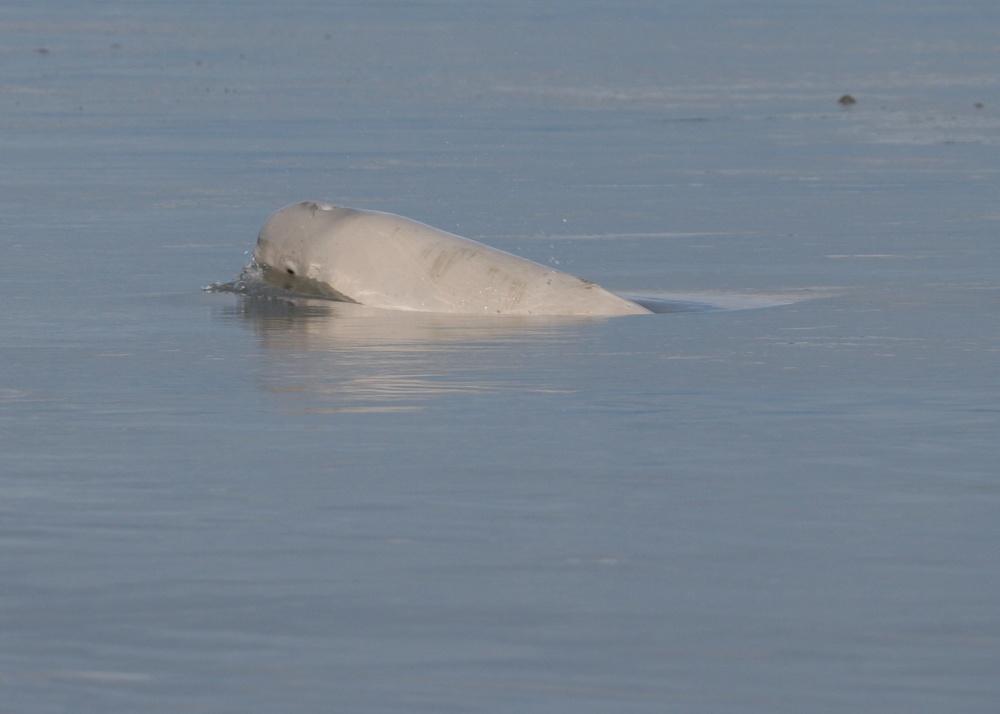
<point>780,496</point>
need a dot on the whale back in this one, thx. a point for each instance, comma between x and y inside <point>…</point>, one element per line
<point>384,260</point>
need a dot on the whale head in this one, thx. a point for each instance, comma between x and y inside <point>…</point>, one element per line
<point>289,244</point>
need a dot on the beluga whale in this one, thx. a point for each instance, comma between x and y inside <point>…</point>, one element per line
<point>387,261</point>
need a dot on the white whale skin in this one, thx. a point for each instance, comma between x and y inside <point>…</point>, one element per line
<point>387,261</point>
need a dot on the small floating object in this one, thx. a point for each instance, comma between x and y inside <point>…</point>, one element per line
<point>847,100</point>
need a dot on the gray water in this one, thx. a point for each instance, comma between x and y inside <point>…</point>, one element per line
<point>783,495</point>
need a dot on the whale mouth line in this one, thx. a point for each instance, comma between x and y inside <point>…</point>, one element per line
<point>256,281</point>
<point>288,280</point>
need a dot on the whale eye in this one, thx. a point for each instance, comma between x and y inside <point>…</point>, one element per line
<point>289,271</point>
